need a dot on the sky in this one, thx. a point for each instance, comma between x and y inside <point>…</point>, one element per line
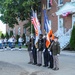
<point>2,27</point>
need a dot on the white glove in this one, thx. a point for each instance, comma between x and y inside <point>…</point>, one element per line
<point>48,50</point>
<point>37,49</point>
<point>50,53</point>
<point>44,50</point>
<point>31,47</point>
<point>31,51</point>
<point>57,54</point>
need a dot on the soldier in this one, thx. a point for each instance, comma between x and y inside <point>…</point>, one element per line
<point>39,50</point>
<point>34,51</point>
<point>56,52</point>
<point>30,48</point>
<point>50,55</point>
<point>45,53</point>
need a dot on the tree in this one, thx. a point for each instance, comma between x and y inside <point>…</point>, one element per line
<point>12,10</point>
<point>2,36</point>
<point>72,40</point>
<point>7,35</point>
<point>17,37</point>
<point>30,26</point>
<point>11,33</point>
<point>0,33</point>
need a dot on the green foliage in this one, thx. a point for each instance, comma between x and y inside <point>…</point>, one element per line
<point>17,37</point>
<point>11,33</point>
<point>0,33</point>
<point>12,10</point>
<point>72,40</point>
<point>30,27</point>
<point>2,36</point>
<point>7,35</point>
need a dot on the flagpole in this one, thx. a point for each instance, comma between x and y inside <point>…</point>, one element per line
<point>31,23</point>
<point>31,29</point>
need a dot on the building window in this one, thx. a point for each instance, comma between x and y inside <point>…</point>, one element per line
<point>73,20</point>
<point>24,31</point>
<point>72,0</point>
<point>19,30</point>
<point>14,31</point>
<point>61,22</point>
<point>50,22</point>
<point>60,2</point>
<point>8,32</point>
<point>48,4</point>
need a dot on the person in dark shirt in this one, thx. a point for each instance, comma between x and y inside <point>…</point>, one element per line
<point>56,51</point>
<point>39,50</point>
<point>45,52</point>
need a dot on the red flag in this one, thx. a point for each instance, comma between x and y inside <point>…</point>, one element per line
<point>36,23</point>
<point>48,38</point>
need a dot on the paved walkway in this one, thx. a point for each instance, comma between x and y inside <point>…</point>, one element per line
<point>68,53</point>
<point>16,63</point>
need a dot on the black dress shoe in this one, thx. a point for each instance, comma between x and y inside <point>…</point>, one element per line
<point>38,64</point>
<point>44,65</point>
<point>34,64</point>
<point>50,67</point>
<point>57,68</point>
<point>54,68</point>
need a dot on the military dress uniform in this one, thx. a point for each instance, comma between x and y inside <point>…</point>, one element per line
<point>39,51</point>
<point>30,52</point>
<point>56,52</point>
<point>45,54</point>
<point>50,56</point>
<point>34,51</point>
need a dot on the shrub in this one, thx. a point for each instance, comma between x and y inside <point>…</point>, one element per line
<point>72,40</point>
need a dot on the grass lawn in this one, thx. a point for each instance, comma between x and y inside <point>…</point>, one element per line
<point>22,46</point>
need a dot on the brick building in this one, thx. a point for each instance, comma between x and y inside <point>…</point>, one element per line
<point>18,29</point>
<point>58,22</point>
<point>62,18</point>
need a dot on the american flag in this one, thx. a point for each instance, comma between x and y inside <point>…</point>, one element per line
<point>33,19</point>
<point>36,23</point>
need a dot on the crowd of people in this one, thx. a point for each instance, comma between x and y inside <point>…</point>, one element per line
<point>11,43</point>
<point>50,54</point>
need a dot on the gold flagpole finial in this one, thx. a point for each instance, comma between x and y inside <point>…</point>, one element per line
<point>43,7</point>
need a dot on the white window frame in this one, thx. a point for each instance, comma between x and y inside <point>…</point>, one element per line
<point>59,4</point>
<point>50,22</point>
<point>19,30</point>
<point>61,20</point>
<point>48,5</point>
<point>14,31</point>
<point>73,20</point>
